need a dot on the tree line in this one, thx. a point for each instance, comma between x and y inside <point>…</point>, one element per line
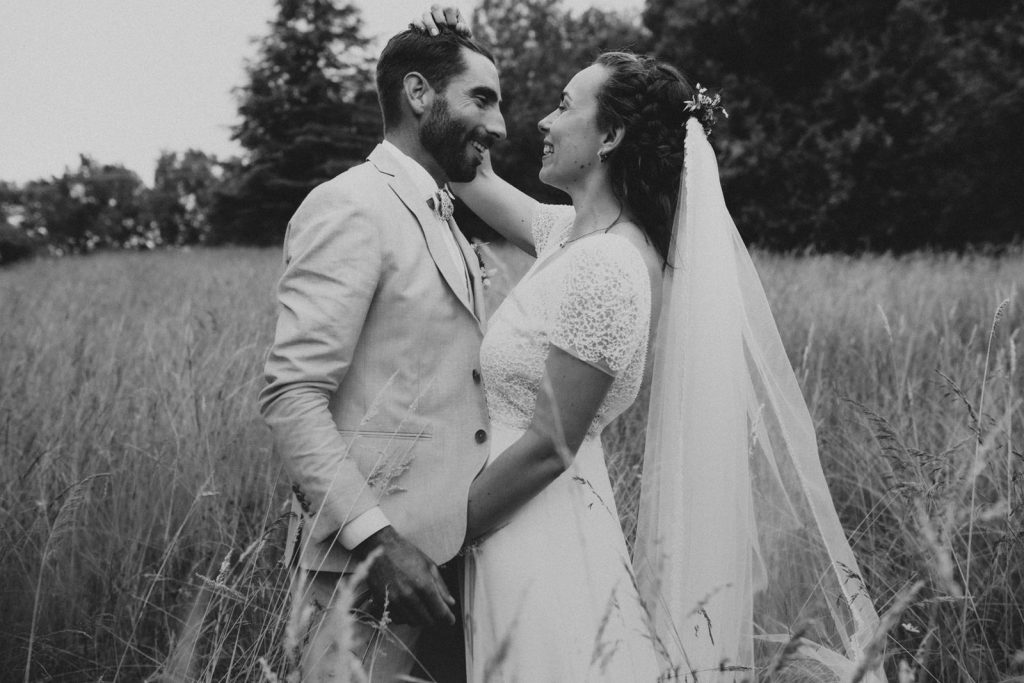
<point>864,125</point>
<point>103,206</point>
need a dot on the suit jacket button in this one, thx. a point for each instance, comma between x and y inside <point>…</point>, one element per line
<point>476,375</point>
<point>481,436</point>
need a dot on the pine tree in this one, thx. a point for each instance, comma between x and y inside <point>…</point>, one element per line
<point>308,113</point>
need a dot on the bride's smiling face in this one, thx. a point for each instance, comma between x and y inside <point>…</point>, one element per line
<point>572,139</point>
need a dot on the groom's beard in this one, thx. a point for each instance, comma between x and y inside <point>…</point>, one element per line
<point>448,142</point>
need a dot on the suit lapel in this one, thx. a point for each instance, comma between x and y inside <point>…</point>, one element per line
<point>475,276</point>
<point>431,227</point>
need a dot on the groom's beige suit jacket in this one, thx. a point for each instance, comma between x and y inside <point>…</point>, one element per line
<point>373,394</point>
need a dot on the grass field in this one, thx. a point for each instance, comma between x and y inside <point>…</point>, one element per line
<point>141,512</point>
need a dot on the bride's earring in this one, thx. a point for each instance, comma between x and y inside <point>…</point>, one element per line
<point>603,155</point>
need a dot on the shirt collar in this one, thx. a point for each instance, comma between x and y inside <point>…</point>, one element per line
<point>420,177</point>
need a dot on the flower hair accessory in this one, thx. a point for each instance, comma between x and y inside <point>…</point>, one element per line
<point>706,108</point>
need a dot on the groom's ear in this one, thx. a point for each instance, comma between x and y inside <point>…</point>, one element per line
<point>418,92</point>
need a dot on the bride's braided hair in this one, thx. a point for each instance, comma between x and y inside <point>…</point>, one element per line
<point>647,98</point>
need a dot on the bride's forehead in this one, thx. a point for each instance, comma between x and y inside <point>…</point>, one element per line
<point>587,82</point>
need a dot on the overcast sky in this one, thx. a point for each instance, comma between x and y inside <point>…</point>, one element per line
<point>122,80</point>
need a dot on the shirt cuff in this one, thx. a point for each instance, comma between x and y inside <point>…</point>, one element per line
<point>362,527</point>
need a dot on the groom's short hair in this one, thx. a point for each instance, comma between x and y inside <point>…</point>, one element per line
<point>438,58</point>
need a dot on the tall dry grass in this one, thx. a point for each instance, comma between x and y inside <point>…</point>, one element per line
<point>134,464</point>
<point>912,372</point>
<point>141,509</point>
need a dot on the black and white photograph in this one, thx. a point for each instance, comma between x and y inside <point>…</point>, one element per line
<point>512,341</point>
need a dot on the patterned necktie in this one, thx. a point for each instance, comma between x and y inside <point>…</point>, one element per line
<point>441,203</point>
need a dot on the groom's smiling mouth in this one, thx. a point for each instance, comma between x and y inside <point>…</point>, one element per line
<point>480,148</point>
<point>547,150</point>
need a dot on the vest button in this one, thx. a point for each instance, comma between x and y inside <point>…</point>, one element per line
<point>481,436</point>
<point>476,375</point>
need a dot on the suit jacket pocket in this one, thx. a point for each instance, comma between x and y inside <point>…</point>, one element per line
<point>384,457</point>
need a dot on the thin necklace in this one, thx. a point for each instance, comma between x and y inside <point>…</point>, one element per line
<point>566,240</point>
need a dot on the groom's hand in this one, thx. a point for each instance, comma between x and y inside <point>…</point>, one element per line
<point>406,580</point>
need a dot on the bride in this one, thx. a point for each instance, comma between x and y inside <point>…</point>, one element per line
<point>549,592</point>
<point>739,553</point>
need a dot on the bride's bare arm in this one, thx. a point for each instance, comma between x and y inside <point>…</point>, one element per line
<point>571,393</point>
<point>501,205</point>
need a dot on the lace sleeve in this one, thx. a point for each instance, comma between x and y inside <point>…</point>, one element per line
<point>605,308</point>
<point>549,219</point>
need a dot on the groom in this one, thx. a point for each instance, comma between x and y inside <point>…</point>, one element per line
<point>374,393</point>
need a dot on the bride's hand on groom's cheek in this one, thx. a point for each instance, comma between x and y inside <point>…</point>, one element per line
<point>437,16</point>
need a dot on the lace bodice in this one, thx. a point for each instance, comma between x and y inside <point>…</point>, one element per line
<point>591,298</point>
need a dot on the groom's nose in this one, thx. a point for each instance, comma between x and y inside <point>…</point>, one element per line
<point>495,124</point>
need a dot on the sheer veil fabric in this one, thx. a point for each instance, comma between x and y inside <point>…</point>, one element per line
<point>738,542</point>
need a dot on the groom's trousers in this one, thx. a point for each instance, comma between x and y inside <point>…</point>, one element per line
<point>338,635</point>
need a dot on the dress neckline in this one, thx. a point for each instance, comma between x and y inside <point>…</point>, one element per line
<point>546,257</point>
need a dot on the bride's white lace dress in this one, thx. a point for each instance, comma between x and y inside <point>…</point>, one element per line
<point>550,596</point>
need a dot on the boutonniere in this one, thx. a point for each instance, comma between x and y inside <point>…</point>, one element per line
<point>485,275</point>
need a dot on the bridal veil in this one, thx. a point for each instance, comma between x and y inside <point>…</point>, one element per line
<point>739,549</point>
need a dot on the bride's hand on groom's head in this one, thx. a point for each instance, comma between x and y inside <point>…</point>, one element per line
<point>437,17</point>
